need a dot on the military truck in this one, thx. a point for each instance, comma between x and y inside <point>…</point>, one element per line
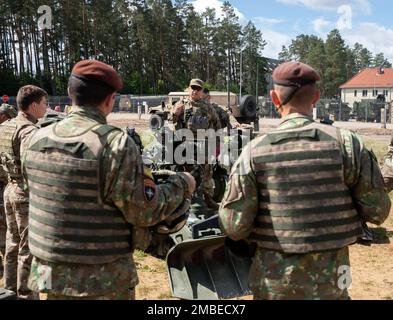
<point>333,109</point>
<point>369,110</point>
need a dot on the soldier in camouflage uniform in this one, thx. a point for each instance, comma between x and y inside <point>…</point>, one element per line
<point>227,120</point>
<point>187,114</point>
<point>387,168</point>
<point>6,112</point>
<point>300,193</point>
<point>32,103</point>
<point>187,110</point>
<point>88,193</point>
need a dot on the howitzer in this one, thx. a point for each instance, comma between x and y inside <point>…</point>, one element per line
<point>202,263</point>
<point>247,111</point>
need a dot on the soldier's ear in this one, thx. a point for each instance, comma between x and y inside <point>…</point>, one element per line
<point>317,95</point>
<point>275,98</point>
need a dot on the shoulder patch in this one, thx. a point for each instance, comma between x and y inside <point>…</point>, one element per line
<point>149,190</point>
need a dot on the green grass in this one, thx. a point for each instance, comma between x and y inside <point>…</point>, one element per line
<point>139,254</point>
<point>380,148</point>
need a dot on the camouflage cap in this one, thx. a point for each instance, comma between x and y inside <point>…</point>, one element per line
<point>196,82</point>
<point>8,110</point>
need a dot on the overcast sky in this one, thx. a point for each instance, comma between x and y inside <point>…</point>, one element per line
<point>369,22</point>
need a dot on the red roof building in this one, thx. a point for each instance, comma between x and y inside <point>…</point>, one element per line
<point>368,84</point>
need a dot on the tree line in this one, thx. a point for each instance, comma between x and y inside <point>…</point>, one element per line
<point>157,46</point>
<point>333,58</point>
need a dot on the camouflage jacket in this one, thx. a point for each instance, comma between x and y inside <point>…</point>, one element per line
<point>124,187</point>
<point>213,118</point>
<point>275,275</point>
<point>225,116</point>
<point>387,168</point>
<point>27,124</point>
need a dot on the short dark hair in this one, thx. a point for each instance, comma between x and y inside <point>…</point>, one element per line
<point>88,93</point>
<point>28,95</point>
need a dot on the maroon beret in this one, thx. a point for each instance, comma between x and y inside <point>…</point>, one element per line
<point>294,74</point>
<point>97,71</point>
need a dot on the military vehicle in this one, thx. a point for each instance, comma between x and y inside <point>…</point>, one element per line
<point>333,110</point>
<point>369,110</point>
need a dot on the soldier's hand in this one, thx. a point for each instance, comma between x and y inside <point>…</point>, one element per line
<point>190,181</point>
<point>179,108</point>
<point>246,126</point>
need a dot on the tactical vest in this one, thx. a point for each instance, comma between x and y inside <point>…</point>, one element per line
<point>9,151</point>
<point>196,115</point>
<point>68,220</point>
<point>304,204</point>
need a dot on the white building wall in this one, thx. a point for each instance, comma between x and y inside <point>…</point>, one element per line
<point>348,95</point>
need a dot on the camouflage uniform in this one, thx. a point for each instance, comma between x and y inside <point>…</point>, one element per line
<point>10,112</point>
<point>83,265</point>
<point>387,167</point>
<point>227,120</point>
<point>193,110</point>
<point>17,259</point>
<point>3,226</point>
<point>199,108</point>
<point>271,203</point>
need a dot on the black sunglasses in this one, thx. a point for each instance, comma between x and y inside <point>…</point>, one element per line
<point>196,88</point>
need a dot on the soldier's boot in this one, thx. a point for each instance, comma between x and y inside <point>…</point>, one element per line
<point>210,202</point>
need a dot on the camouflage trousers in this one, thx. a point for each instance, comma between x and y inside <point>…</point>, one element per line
<point>3,229</point>
<point>312,276</point>
<point>128,294</point>
<point>17,259</point>
<point>207,180</point>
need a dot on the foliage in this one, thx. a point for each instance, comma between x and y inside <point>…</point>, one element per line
<point>156,45</point>
<point>332,58</point>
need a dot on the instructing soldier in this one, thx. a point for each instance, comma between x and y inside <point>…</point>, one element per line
<point>89,191</point>
<point>300,193</point>
<point>196,113</point>
<point>195,106</point>
<point>32,103</point>
<point>7,112</point>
